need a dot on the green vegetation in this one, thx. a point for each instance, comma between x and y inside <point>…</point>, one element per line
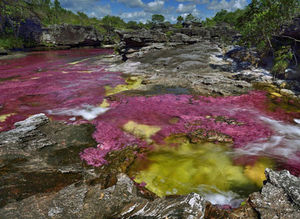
<point>191,18</point>
<point>158,18</point>
<point>49,13</point>
<point>259,23</point>
<point>11,42</point>
<point>223,16</point>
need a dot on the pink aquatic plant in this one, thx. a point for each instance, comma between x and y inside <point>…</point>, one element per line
<point>45,81</point>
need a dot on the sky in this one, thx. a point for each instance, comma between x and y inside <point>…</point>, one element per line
<point>142,10</point>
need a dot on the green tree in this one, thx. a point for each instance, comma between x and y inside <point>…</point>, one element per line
<point>158,18</point>
<point>57,5</point>
<point>180,20</point>
<point>264,19</point>
<point>191,18</point>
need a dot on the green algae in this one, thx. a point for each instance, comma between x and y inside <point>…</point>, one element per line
<point>180,167</point>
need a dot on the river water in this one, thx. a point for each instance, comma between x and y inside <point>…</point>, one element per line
<point>216,146</point>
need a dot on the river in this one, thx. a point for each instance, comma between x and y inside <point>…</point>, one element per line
<point>216,146</point>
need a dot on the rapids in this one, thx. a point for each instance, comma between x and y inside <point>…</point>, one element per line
<point>216,146</point>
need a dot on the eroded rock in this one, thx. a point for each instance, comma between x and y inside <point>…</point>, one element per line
<point>41,156</point>
<point>279,197</point>
<point>119,201</point>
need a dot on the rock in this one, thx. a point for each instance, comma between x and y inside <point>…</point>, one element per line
<point>70,35</point>
<point>184,39</point>
<point>40,156</point>
<point>279,197</point>
<point>244,58</point>
<point>122,200</point>
<point>245,211</point>
<point>3,52</point>
<point>287,92</point>
<point>202,135</point>
<point>292,74</point>
<point>141,38</point>
<point>293,29</point>
<point>31,30</point>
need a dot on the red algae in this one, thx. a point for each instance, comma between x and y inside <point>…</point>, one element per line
<point>52,80</point>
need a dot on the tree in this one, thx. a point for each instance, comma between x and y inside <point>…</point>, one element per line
<point>158,18</point>
<point>179,20</point>
<point>57,5</point>
<point>190,18</point>
<point>263,21</point>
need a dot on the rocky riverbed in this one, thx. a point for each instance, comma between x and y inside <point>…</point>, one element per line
<point>194,102</point>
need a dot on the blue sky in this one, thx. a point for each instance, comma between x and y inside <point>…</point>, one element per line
<point>142,10</point>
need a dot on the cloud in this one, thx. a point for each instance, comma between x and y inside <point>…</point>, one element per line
<point>156,6</point>
<point>195,1</point>
<point>134,15</point>
<point>132,3</point>
<point>100,11</point>
<point>78,5</point>
<point>229,6</point>
<point>185,8</point>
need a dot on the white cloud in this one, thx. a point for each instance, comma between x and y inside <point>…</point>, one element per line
<point>156,6</point>
<point>185,8</point>
<point>132,3</point>
<point>195,1</point>
<point>100,11</point>
<point>227,5</point>
<point>134,15</point>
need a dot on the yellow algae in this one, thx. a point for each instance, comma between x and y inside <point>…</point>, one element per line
<point>276,94</point>
<point>140,130</point>
<point>34,78</point>
<point>131,84</point>
<point>191,168</point>
<point>77,62</point>
<point>5,116</point>
<point>257,172</point>
<point>105,104</point>
<point>65,72</point>
<point>174,120</point>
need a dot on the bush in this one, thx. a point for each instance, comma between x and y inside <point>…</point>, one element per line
<point>11,42</point>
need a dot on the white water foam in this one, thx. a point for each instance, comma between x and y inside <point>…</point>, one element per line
<point>218,197</point>
<point>88,112</point>
<point>285,143</point>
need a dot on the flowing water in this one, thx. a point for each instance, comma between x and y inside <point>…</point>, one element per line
<point>218,147</point>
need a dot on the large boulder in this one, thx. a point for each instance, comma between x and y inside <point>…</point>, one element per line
<point>70,35</point>
<point>279,198</point>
